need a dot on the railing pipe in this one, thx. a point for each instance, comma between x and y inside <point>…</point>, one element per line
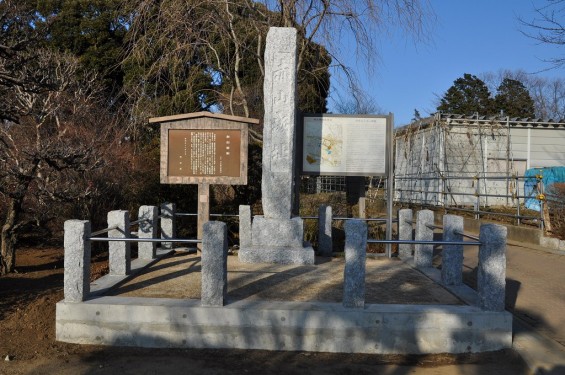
<point>131,239</point>
<point>132,223</point>
<point>421,242</point>
<point>102,231</point>
<point>459,233</point>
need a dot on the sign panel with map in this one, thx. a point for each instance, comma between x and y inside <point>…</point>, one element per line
<point>344,145</point>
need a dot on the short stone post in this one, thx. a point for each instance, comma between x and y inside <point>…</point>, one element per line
<point>325,243</point>
<point>168,229</point>
<point>452,255</point>
<point>423,254</point>
<point>119,251</point>
<point>355,255</point>
<point>147,229</point>
<point>214,263</point>
<point>244,227</point>
<point>77,260</point>
<point>405,233</point>
<point>491,277</point>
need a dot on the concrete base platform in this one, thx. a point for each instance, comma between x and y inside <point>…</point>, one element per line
<point>293,326</point>
<point>284,307</point>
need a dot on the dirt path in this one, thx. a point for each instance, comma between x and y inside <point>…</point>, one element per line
<point>27,332</point>
<point>535,288</point>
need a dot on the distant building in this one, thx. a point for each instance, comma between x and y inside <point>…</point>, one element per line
<point>452,159</point>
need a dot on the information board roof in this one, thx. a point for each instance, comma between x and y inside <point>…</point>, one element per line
<point>194,115</point>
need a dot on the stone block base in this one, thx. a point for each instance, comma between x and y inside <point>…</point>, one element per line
<point>279,255</point>
<point>277,232</point>
<point>279,241</point>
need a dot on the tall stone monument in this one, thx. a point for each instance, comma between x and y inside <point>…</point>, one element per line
<point>277,237</point>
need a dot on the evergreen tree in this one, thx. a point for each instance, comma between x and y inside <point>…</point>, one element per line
<point>467,96</point>
<point>92,30</point>
<point>514,99</point>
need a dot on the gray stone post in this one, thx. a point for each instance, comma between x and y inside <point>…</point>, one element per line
<point>355,255</point>
<point>405,232</point>
<point>119,252</point>
<point>147,229</point>
<point>244,227</point>
<point>279,86</point>
<point>423,254</point>
<point>77,260</point>
<point>491,277</point>
<point>325,243</point>
<point>168,228</point>
<point>278,237</point>
<point>214,264</point>
<point>452,255</point>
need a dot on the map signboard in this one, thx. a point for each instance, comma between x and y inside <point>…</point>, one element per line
<point>346,145</point>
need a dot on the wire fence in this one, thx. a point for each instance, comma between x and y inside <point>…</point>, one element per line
<point>490,195</point>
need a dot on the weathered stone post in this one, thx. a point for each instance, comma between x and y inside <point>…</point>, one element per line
<point>405,232</point>
<point>77,260</point>
<point>491,277</point>
<point>279,92</point>
<point>147,229</point>
<point>277,237</point>
<point>355,255</point>
<point>168,228</point>
<point>325,243</point>
<point>119,252</point>
<point>244,226</point>
<point>423,254</point>
<point>214,264</point>
<point>452,255</point>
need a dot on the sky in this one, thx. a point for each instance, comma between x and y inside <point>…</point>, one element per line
<point>468,36</point>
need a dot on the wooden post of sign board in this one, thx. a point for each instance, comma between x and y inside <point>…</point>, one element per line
<point>203,210</point>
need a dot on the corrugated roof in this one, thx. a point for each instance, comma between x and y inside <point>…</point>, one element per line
<point>457,119</point>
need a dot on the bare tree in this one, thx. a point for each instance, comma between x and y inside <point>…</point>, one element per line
<point>357,104</point>
<point>50,156</point>
<point>548,27</point>
<point>227,38</point>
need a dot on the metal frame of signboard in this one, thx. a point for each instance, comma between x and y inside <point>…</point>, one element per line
<point>388,162</point>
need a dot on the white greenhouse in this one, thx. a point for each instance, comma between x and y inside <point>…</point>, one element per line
<point>455,160</point>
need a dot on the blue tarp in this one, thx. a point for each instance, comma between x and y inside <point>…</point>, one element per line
<point>549,176</point>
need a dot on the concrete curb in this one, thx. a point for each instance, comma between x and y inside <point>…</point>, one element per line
<point>289,326</point>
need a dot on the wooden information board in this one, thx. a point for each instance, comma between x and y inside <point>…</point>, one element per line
<point>204,148</point>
